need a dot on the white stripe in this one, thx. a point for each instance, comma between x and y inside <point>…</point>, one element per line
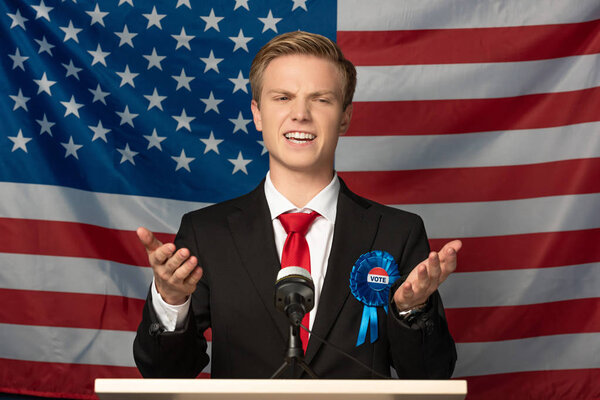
<point>378,15</point>
<point>73,275</point>
<point>543,353</point>
<point>486,149</point>
<point>496,218</point>
<point>521,286</point>
<point>18,200</point>
<point>477,81</point>
<point>69,345</point>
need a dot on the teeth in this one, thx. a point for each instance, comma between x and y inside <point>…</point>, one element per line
<point>300,135</point>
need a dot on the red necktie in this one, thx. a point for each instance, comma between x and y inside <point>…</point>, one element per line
<point>295,251</point>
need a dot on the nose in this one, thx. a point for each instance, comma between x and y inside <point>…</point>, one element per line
<point>300,111</point>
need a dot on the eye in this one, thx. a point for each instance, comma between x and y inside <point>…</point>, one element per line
<point>282,98</point>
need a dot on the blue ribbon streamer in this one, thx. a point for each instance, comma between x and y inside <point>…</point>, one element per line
<point>374,294</point>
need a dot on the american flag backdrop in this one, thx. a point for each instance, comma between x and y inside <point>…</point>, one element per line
<point>482,116</point>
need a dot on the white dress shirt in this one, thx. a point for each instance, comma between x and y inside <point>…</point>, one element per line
<point>319,238</point>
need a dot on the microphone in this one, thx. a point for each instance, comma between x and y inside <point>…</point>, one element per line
<point>294,293</point>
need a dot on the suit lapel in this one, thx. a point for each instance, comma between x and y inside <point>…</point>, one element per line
<point>252,232</point>
<point>354,234</point>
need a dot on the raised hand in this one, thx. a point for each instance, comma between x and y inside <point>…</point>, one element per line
<point>175,273</point>
<point>426,277</point>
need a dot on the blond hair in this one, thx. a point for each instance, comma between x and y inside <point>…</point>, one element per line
<point>305,43</point>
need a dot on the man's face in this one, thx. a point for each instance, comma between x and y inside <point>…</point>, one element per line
<point>301,114</point>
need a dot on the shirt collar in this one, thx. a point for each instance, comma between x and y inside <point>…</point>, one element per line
<point>325,202</point>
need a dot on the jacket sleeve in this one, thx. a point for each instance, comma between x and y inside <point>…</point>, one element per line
<point>424,349</point>
<point>182,353</point>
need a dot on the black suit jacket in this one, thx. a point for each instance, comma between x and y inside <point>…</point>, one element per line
<point>235,245</point>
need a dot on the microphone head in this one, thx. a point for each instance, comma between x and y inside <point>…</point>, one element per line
<point>294,293</point>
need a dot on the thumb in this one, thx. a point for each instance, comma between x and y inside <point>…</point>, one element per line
<point>148,239</point>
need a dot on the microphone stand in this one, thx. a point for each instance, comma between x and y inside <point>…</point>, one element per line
<point>294,356</point>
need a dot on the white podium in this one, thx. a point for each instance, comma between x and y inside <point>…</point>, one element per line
<point>278,389</point>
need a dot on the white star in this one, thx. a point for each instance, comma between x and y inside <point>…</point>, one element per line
<point>183,121</point>
<point>72,70</point>
<point>183,2</point>
<point>183,80</point>
<point>241,3</point>
<point>241,41</point>
<point>299,3</point>
<point>70,32</point>
<point>42,11</point>
<point>269,22</point>
<point>71,148</point>
<point>127,77</point>
<point>183,40</point>
<point>183,161</point>
<point>19,142</point>
<point>127,154</point>
<point>211,103</point>
<point>99,55</point>
<point>264,148</point>
<point>44,46</point>
<point>99,131</point>
<point>130,2</point>
<point>125,37</point>
<point>45,125</point>
<point>240,123</point>
<point>20,101</point>
<point>99,95</point>
<point>239,164</point>
<point>71,106</point>
<point>211,143</point>
<point>97,16</point>
<point>18,59</point>
<point>240,83</point>
<point>154,18</point>
<point>127,117</point>
<point>44,84</point>
<point>154,59</point>
<point>17,19</point>
<point>154,140</point>
<point>155,100</point>
<point>211,62</point>
<point>212,21</point>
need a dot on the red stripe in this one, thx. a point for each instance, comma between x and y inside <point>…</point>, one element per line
<point>539,250</point>
<point>74,310</point>
<point>451,185</point>
<point>425,117</point>
<point>473,45</point>
<point>575,384</point>
<point>75,381</point>
<point>71,239</point>
<point>556,318</point>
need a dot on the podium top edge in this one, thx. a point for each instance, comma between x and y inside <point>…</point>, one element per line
<point>288,386</point>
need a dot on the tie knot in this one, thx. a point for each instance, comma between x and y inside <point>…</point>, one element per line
<point>297,222</point>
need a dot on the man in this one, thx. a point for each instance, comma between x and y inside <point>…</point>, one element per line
<point>220,273</point>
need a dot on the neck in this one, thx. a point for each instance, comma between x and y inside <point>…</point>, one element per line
<point>299,187</point>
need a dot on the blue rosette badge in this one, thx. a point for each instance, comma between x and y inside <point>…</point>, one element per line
<point>370,280</point>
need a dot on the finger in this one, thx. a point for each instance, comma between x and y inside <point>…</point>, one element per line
<point>423,280</point>
<point>194,277</point>
<point>177,259</point>
<point>148,239</point>
<point>184,270</point>
<point>433,267</point>
<point>161,254</point>
<point>448,259</point>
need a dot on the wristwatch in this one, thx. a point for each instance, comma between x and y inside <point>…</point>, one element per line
<point>411,314</point>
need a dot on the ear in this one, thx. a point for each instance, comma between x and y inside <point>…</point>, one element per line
<point>346,117</point>
<point>256,115</point>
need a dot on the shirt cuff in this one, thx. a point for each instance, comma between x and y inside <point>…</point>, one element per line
<point>170,317</point>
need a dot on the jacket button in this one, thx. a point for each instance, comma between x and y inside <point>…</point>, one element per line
<point>155,329</point>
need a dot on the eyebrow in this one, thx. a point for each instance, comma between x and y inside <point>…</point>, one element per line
<point>313,94</point>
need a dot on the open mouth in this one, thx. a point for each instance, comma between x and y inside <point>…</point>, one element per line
<point>299,137</point>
